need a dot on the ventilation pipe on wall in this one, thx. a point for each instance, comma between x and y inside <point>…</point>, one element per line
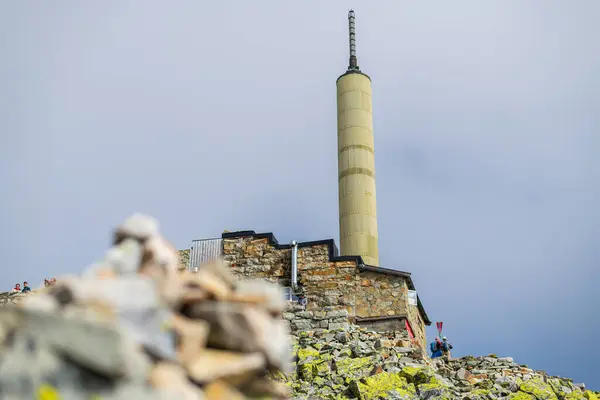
<point>294,245</point>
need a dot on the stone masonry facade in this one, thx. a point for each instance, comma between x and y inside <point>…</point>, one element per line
<point>338,289</point>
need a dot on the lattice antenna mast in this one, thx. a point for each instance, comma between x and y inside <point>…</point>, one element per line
<point>353,65</point>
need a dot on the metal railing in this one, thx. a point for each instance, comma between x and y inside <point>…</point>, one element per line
<point>204,251</point>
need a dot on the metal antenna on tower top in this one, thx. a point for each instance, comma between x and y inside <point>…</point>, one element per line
<point>353,65</point>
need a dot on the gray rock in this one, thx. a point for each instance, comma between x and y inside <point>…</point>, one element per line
<point>361,349</point>
<point>395,395</point>
<point>462,374</point>
<point>403,350</point>
<point>336,314</point>
<point>301,325</point>
<point>305,314</point>
<point>329,337</point>
<point>341,337</point>
<point>337,325</point>
<point>508,360</point>
<point>432,393</point>
<point>288,316</point>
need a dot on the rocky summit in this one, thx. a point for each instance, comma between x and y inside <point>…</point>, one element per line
<point>135,325</point>
<point>357,364</point>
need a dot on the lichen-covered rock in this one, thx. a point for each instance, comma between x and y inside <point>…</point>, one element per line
<point>417,375</point>
<point>538,388</point>
<point>521,396</point>
<point>588,394</point>
<point>353,367</point>
<point>380,385</point>
<point>336,366</point>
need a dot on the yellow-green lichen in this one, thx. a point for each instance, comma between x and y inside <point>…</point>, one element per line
<point>321,368</point>
<point>310,370</point>
<point>350,367</point>
<point>305,371</point>
<point>539,389</point>
<point>588,394</point>
<point>417,375</point>
<point>485,384</point>
<point>576,395</point>
<point>319,381</point>
<point>377,386</point>
<point>307,352</point>
<point>345,352</point>
<point>557,386</point>
<point>521,396</point>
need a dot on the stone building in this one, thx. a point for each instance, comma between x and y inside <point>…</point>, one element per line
<point>339,289</point>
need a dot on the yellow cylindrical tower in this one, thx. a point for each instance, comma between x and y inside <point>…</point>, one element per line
<point>356,162</point>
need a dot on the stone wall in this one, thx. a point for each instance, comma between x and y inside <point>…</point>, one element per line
<point>381,295</point>
<point>417,324</point>
<point>249,257</point>
<point>392,324</point>
<point>184,258</point>
<point>310,320</point>
<point>329,283</point>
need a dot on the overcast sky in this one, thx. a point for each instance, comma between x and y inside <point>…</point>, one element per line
<point>222,115</point>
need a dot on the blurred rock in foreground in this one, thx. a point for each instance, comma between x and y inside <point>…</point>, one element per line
<point>133,327</point>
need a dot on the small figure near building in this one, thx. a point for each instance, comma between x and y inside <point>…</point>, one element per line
<point>436,348</point>
<point>446,347</point>
<point>302,301</point>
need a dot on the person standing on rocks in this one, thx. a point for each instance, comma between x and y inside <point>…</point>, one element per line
<point>26,288</point>
<point>16,289</point>
<point>436,348</point>
<point>302,301</point>
<point>446,347</point>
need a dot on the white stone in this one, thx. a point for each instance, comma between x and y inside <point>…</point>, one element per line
<point>124,257</point>
<point>139,226</point>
